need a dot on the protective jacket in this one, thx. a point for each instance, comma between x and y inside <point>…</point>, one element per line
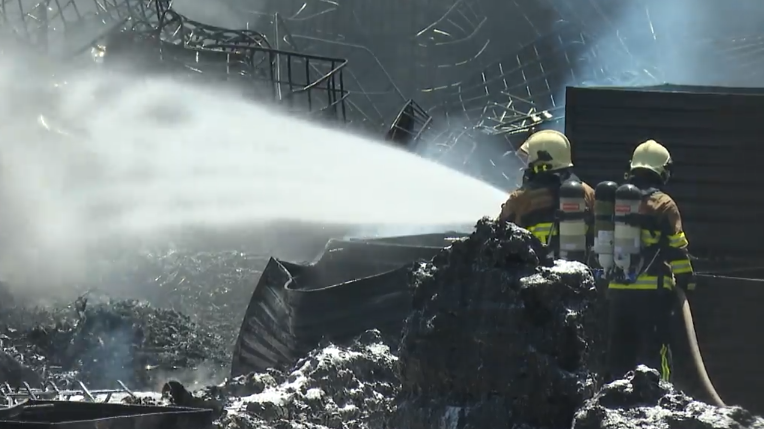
<point>535,204</point>
<point>641,306</point>
<point>665,261</point>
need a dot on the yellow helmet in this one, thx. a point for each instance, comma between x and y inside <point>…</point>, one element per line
<point>548,150</point>
<point>652,156</point>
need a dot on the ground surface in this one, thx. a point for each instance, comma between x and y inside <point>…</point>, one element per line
<point>147,306</point>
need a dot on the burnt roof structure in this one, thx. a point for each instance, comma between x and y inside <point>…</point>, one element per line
<point>484,72</point>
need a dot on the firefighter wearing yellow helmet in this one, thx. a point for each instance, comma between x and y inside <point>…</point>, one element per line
<point>650,260</point>
<point>552,203</point>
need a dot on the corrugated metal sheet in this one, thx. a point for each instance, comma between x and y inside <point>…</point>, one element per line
<point>354,286</point>
<point>714,135</point>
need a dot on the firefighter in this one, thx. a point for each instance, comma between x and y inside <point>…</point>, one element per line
<point>651,259</point>
<point>552,203</point>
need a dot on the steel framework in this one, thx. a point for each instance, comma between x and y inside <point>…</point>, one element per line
<point>482,72</point>
<point>50,391</point>
<point>167,41</point>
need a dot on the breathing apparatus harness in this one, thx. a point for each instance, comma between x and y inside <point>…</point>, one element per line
<point>622,253</point>
<point>570,217</point>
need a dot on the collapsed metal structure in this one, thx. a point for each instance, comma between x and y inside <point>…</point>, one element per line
<point>480,72</point>
<point>51,391</point>
<point>458,98</point>
<point>161,39</point>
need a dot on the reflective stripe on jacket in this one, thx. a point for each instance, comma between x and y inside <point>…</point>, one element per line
<point>666,262</point>
<point>534,205</point>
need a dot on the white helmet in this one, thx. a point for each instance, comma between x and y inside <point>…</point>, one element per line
<point>548,150</point>
<point>652,156</point>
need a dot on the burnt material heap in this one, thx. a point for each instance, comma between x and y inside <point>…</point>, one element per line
<point>333,387</point>
<point>101,343</point>
<point>642,401</point>
<point>500,336</point>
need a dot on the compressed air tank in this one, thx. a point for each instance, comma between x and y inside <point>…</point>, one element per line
<point>572,226</point>
<point>627,232</point>
<point>604,224</point>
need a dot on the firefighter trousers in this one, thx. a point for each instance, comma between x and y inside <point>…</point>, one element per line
<point>639,331</point>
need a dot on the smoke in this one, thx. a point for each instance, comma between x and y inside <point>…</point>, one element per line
<point>688,42</point>
<point>205,374</point>
<point>490,158</point>
<point>123,161</point>
<point>231,14</point>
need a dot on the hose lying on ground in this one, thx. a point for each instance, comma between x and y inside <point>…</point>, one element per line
<point>692,339</point>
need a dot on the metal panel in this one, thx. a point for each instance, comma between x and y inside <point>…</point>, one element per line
<point>711,133</point>
<point>354,286</point>
<point>728,319</point>
<point>35,414</point>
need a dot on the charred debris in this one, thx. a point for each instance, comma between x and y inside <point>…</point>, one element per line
<point>198,299</point>
<point>498,335</point>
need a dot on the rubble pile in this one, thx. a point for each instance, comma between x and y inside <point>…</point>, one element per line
<point>642,401</point>
<point>213,288</point>
<point>356,387</point>
<point>500,336</point>
<point>350,386</point>
<point>98,344</point>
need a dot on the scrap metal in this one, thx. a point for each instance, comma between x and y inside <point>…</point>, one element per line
<point>153,28</point>
<point>50,391</point>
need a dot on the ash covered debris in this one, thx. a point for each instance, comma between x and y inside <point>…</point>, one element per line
<point>105,342</point>
<point>500,336</point>
<point>333,387</point>
<point>350,386</point>
<point>642,401</point>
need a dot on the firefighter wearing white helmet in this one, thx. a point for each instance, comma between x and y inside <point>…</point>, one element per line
<point>651,259</point>
<point>553,203</point>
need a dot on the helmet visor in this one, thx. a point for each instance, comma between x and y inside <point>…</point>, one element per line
<point>522,156</point>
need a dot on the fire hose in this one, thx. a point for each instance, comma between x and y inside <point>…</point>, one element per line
<point>697,358</point>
